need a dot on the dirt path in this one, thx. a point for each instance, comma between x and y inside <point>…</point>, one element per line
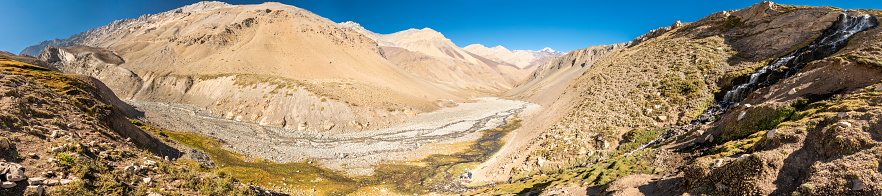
<point>354,152</point>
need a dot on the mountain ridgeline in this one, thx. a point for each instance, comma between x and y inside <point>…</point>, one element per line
<point>279,65</point>
<point>766,100</point>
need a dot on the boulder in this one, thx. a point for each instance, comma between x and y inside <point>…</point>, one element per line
<point>7,184</point>
<point>5,144</point>
<point>302,126</point>
<point>328,126</point>
<point>771,134</point>
<point>677,24</point>
<point>844,124</point>
<point>51,182</point>
<point>36,181</point>
<point>16,173</point>
<point>149,163</point>
<point>35,190</point>
<point>858,185</point>
<point>130,169</point>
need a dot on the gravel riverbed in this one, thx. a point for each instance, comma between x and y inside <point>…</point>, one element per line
<point>354,152</point>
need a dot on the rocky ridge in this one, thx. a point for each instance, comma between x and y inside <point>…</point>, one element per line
<point>524,59</point>
<point>68,135</point>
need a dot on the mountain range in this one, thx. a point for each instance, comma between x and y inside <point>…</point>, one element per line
<point>271,99</point>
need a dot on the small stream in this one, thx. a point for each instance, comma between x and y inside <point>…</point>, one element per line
<point>831,41</point>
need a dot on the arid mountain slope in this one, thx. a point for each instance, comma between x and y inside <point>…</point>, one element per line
<point>767,144</point>
<point>69,135</point>
<point>428,53</point>
<point>270,63</point>
<point>524,59</point>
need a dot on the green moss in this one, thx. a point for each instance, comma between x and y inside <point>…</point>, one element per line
<point>754,120</point>
<point>635,138</point>
<point>593,175</point>
<point>678,90</point>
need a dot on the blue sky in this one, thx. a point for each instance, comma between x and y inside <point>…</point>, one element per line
<point>531,25</point>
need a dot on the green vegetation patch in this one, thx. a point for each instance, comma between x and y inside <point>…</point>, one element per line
<point>678,89</point>
<point>406,178</point>
<point>593,175</point>
<point>754,120</point>
<point>635,138</point>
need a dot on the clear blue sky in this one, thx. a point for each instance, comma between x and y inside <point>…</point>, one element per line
<point>531,25</point>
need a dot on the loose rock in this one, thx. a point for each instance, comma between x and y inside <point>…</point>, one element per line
<point>16,173</point>
<point>51,182</point>
<point>771,134</point>
<point>7,184</point>
<point>36,181</point>
<point>858,185</point>
<point>844,124</point>
<point>36,190</point>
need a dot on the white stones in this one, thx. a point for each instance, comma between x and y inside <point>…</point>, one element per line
<point>771,134</point>
<point>65,181</point>
<point>741,116</point>
<point>541,162</point>
<point>718,163</point>
<point>36,181</point>
<point>792,91</point>
<point>709,139</point>
<point>844,124</point>
<point>661,118</point>
<point>879,88</point>
<point>149,163</point>
<point>7,184</point>
<point>57,149</point>
<point>16,173</point>
<point>130,169</point>
<point>147,180</point>
<point>51,182</point>
<point>54,134</point>
<point>32,155</point>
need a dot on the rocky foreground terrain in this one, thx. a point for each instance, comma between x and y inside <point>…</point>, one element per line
<point>69,135</point>
<point>767,100</point>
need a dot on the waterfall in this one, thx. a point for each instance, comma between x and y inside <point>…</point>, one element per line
<point>831,41</point>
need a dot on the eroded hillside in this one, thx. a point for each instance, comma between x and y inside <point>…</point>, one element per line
<point>678,75</point>
<point>69,135</point>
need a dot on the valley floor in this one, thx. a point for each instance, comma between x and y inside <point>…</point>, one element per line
<point>356,153</point>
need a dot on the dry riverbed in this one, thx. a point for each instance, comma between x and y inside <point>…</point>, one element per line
<point>355,153</point>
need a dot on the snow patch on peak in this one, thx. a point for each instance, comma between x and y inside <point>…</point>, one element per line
<point>350,24</point>
<point>203,5</point>
<point>547,49</point>
<point>499,47</point>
